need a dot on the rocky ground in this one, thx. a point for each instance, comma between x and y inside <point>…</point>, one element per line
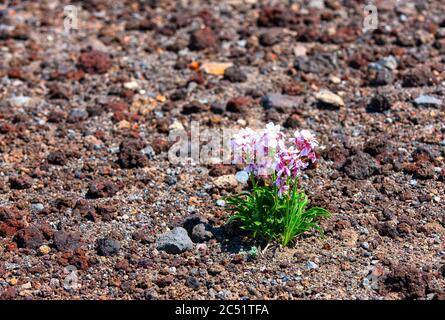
<point>87,192</point>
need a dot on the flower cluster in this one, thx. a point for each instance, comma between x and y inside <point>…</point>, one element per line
<point>266,154</point>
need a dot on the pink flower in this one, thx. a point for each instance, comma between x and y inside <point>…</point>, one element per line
<point>264,153</point>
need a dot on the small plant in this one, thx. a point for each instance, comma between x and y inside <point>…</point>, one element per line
<point>276,207</point>
<point>252,253</point>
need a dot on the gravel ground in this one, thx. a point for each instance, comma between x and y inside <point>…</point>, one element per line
<point>82,208</point>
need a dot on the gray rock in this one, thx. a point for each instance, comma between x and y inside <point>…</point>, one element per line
<point>77,115</point>
<point>171,180</point>
<point>20,101</point>
<point>200,233</point>
<point>175,241</point>
<point>425,100</point>
<point>280,101</point>
<point>37,207</point>
<point>311,265</point>
<point>317,4</point>
<point>329,98</point>
<point>222,203</point>
<point>365,245</point>
<point>224,294</point>
<point>108,247</point>
<point>324,63</point>
<point>389,62</point>
<point>149,152</point>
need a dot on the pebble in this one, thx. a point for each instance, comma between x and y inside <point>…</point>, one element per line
<point>226,182</point>
<point>242,176</point>
<point>171,179</point>
<point>364,231</point>
<point>311,265</point>
<point>280,101</point>
<point>365,245</point>
<point>174,241</point>
<point>149,152</point>
<point>216,68</point>
<point>220,203</point>
<point>224,294</point>
<point>317,4</point>
<point>389,62</point>
<point>37,207</point>
<point>366,282</point>
<point>329,98</point>
<point>21,101</point>
<point>200,233</point>
<point>132,85</point>
<point>44,249</point>
<point>425,100</point>
<point>300,51</point>
<point>235,74</point>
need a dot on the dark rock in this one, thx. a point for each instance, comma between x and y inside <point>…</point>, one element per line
<point>409,281</point>
<point>280,102</point>
<point>417,78</point>
<point>21,182</point>
<point>163,282</point>
<point>130,154</point>
<point>30,237</point>
<point>66,241</point>
<point>58,91</point>
<point>108,247</point>
<point>217,108</point>
<point>94,62</point>
<point>360,166</point>
<point>379,103</point>
<point>338,154</point>
<point>179,94</point>
<point>318,64</point>
<point>239,104</point>
<point>381,77</point>
<point>235,74</point>
<point>101,188</point>
<point>271,37</point>
<point>94,110</point>
<point>193,283</point>
<point>294,121</point>
<point>194,107</point>
<point>142,235</point>
<point>277,16</point>
<point>191,221</point>
<point>221,169</point>
<point>56,158</point>
<point>84,209</point>
<point>203,39</point>
<point>387,229</point>
<point>376,146</point>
